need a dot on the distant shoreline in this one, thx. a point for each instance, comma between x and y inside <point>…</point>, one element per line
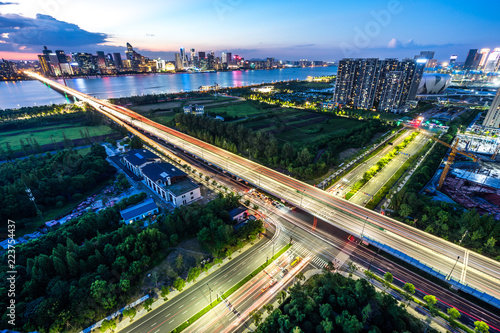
<point>99,76</point>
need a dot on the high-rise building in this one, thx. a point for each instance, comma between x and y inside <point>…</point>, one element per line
<point>201,55</point>
<point>178,62</point>
<point>134,57</point>
<point>44,63</point>
<point>224,58</point>
<point>427,54</point>
<point>472,60</point>
<point>492,118</point>
<point>118,60</point>
<point>419,72</point>
<point>101,59</point>
<point>86,63</point>
<point>229,57</point>
<point>453,60</point>
<point>484,57</point>
<point>184,58</point>
<point>377,84</point>
<point>61,57</point>
<point>493,61</point>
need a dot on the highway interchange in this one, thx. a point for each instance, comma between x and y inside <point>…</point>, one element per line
<point>482,273</point>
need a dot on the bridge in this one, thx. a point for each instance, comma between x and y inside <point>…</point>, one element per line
<point>464,269</point>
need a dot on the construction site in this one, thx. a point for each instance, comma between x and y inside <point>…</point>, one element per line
<point>469,174</point>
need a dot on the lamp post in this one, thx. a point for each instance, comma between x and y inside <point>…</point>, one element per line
<point>449,275</point>
<point>210,292</point>
<point>362,231</point>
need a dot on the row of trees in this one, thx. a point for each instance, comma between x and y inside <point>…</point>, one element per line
<point>94,265</point>
<point>448,221</point>
<point>298,160</point>
<point>54,181</point>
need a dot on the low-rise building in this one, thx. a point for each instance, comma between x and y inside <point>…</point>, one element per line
<point>140,211</point>
<point>197,110</point>
<point>239,213</point>
<point>263,89</point>
<point>136,159</point>
<point>171,184</point>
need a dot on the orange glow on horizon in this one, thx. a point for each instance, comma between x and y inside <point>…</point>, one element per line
<point>18,56</point>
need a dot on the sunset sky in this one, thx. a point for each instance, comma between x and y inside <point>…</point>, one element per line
<point>292,30</point>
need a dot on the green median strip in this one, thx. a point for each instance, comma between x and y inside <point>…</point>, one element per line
<point>419,302</point>
<point>395,178</point>
<point>229,292</point>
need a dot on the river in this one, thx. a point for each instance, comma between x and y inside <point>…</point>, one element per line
<point>31,93</point>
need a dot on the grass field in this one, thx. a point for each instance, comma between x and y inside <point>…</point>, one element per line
<point>240,109</point>
<point>297,133</point>
<point>45,135</point>
<point>180,103</point>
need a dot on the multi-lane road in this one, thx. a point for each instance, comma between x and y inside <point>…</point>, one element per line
<point>482,273</point>
<point>370,189</point>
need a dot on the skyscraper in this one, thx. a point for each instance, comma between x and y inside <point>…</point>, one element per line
<point>493,60</point>
<point>133,57</point>
<point>224,58</point>
<point>178,62</point>
<point>201,55</point>
<point>101,59</point>
<point>229,57</point>
<point>184,58</point>
<point>118,60</point>
<point>484,57</point>
<point>472,60</point>
<point>492,118</point>
<point>453,60</point>
<point>85,63</point>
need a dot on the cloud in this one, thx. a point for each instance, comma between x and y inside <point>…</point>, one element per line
<point>45,30</point>
<point>394,43</point>
<point>304,45</point>
<point>8,3</point>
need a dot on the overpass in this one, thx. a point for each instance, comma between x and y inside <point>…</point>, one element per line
<point>467,270</point>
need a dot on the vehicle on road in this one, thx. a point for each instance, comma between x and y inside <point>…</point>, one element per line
<point>296,261</point>
<point>284,272</point>
<point>268,285</point>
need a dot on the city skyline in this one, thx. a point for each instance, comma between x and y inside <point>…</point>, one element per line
<point>325,31</point>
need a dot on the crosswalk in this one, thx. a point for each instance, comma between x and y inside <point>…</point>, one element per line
<point>316,261</point>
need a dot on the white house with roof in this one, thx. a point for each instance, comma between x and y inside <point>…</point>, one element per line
<point>140,211</point>
<point>170,183</point>
<point>136,159</point>
<point>197,110</point>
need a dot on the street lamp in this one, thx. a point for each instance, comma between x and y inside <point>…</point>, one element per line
<point>449,276</point>
<point>210,294</point>
<point>362,231</point>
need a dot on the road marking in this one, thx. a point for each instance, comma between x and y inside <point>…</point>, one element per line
<point>181,306</point>
<point>193,297</point>
<point>170,322</point>
<point>153,324</point>
<point>197,303</point>
<point>168,314</point>
<point>185,312</point>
